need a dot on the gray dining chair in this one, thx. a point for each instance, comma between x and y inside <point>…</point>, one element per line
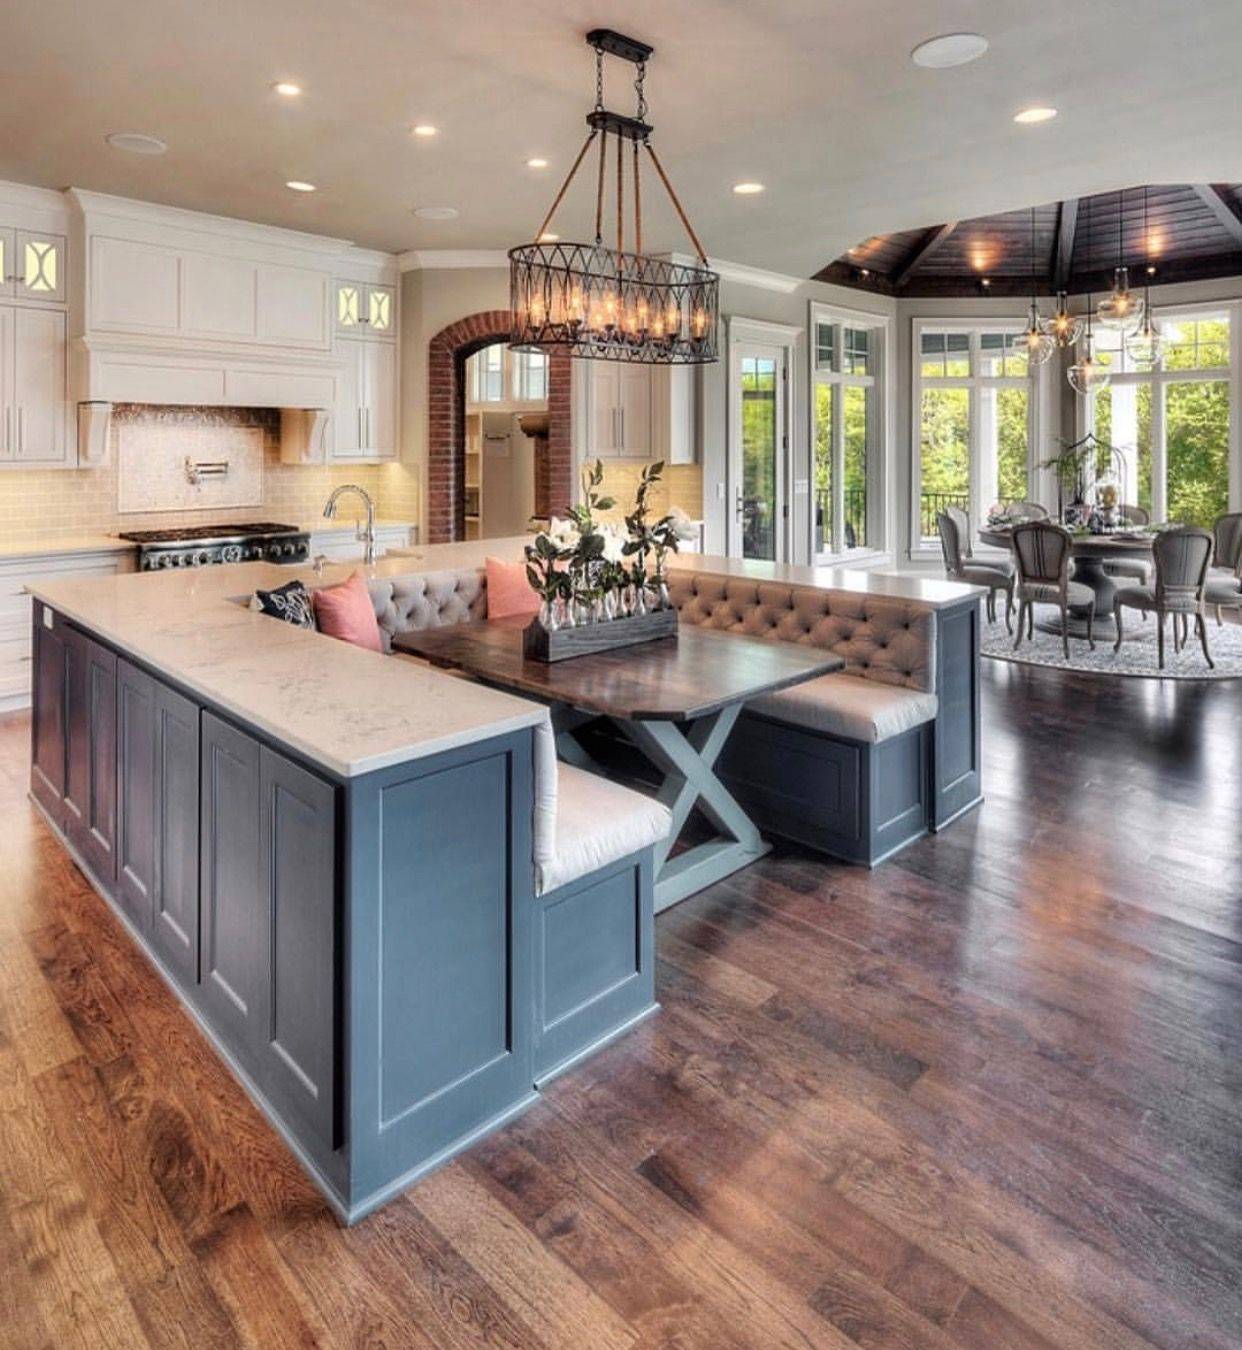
<point>1137,569</point>
<point>1225,591</point>
<point>960,566</point>
<point>1182,556</point>
<point>1042,552</point>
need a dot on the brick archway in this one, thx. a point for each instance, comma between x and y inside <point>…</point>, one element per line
<point>446,438</point>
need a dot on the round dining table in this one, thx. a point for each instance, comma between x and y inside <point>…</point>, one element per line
<point>1090,552</point>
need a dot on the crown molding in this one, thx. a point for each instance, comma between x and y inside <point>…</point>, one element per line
<point>743,274</point>
<point>439,259</point>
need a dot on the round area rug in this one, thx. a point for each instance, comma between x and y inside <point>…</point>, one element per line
<point>1136,657</point>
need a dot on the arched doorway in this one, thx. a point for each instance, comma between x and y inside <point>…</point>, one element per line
<point>447,354</point>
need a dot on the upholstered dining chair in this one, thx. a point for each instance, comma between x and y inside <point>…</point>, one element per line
<point>960,566</point>
<point>1225,590</point>
<point>1138,569</point>
<point>1182,556</point>
<point>1042,552</point>
<point>1031,510</point>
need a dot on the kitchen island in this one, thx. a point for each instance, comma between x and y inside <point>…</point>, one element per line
<point>326,852</point>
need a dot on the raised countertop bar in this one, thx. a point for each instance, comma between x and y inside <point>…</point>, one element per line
<point>346,710</point>
<point>933,592</point>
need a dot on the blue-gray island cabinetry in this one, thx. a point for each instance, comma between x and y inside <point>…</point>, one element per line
<point>357,946</point>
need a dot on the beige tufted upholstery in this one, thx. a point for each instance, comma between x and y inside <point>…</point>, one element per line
<point>881,638</point>
<point>428,600</point>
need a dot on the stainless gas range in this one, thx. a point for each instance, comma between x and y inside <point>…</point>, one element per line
<point>202,545</point>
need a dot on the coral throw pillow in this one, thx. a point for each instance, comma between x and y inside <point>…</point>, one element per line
<point>346,612</point>
<point>508,591</point>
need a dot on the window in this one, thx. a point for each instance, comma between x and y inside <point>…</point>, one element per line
<point>974,393</point>
<point>1175,424</point>
<point>848,361</point>
<point>496,375</point>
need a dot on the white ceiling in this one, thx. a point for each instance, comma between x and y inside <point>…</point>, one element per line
<point>815,98</point>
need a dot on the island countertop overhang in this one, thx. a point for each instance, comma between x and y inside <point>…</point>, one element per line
<point>345,710</point>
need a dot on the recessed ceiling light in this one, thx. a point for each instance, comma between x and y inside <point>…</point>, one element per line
<point>1028,115</point>
<point>985,282</point>
<point>287,88</point>
<point>136,143</point>
<point>425,129</point>
<point>949,49</point>
<point>547,237</point>
<point>436,212</point>
<point>537,163</point>
<point>747,189</point>
<point>297,185</point>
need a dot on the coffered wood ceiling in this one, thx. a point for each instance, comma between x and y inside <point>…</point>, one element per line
<point>1190,232</point>
<point>817,99</point>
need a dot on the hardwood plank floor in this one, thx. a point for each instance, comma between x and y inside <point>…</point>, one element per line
<point>988,1095</point>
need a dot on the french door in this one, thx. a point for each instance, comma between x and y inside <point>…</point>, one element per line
<point>758,525</point>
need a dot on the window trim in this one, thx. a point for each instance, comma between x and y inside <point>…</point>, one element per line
<point>1084,411</point>
<point>878,526</point>
<point>1034,381</point>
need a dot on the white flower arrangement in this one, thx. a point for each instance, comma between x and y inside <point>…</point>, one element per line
<point>586,570</point>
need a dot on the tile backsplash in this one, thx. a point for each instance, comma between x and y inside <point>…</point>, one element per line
<point>679,485</point>
<point>139,487</point>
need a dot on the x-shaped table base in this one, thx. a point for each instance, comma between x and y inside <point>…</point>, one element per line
<point>686,758</point>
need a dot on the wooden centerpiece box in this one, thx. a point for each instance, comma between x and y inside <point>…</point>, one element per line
<point>559,644</point>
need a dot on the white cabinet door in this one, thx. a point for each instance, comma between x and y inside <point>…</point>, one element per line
<point>381,311</point>
<point>350,307</point>
<point>605,409</point>
<point>218,296</point>
<point>293,306</point>
<point>634,389</point>
<point>39,385</point>
<point>8,410</point>
<point>348,442</point>
<point>673,405</point>
<point>38,268</point>
<point>379,400</point>
<point>134,287</point>
<point>8,262</point>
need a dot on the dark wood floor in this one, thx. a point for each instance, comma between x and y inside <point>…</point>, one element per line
<point>986,1096</point>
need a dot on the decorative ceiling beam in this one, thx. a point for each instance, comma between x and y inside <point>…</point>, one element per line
<point>930,244</point>
<point>1063,253</point>
<point>1216,197</point>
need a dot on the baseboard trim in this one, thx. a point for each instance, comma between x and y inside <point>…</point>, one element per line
<point>595,1047</point>
<point>957,815</point>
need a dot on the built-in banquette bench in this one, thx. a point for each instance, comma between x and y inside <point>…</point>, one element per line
<point>856,764</point>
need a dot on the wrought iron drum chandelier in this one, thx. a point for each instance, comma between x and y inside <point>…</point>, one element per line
<point>606,303</point>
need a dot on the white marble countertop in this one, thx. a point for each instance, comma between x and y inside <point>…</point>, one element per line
<point>78,543</point>
<point>348,710</point>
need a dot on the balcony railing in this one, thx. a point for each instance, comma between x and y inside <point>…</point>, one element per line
<point>931,504</point>
<point>854,531</point>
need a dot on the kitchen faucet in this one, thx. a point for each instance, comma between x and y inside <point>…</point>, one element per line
<point>366,534</point>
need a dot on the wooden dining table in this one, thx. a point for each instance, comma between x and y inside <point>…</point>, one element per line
<point>676,700</point>
<point>1090,552</point>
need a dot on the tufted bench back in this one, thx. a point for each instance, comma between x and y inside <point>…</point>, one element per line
<point>881,638</point>
<point>428,600</point>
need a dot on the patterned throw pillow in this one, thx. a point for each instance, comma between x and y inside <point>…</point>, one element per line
<point>290,602</point>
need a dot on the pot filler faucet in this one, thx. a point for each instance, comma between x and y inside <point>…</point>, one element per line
<point>366,533</point>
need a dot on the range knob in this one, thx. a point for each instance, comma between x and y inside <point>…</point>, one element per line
<point>231,553</point>
<point>287,550</point>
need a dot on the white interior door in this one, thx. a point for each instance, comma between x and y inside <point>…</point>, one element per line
<point>758,451</point>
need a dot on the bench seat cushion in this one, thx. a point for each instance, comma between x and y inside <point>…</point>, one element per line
<point>850,706</point>
<point>598,822</point>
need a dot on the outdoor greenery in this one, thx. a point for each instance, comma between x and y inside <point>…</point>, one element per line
<point>945,446</point>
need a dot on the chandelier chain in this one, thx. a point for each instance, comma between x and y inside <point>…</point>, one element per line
<point>599,80</point>
<point>640,90</point>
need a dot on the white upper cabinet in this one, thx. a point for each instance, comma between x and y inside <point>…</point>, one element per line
<point>366,422</point>
<point>219,296</point>
<point>293,306</point>
<point>365,309</point>
<point>639,411</point>
<point>134,287</point>
<point>32,386</point>
<point>32,265</point>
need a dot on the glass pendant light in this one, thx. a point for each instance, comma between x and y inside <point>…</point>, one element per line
<point>1087,375</point>
<point>1040,344</point>
<point>1146,344</point>
<point>1063,327</point>
<point>1120,309</point>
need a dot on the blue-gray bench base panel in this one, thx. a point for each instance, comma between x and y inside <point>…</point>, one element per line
<point>594,962</point>
<point>855,800</point>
